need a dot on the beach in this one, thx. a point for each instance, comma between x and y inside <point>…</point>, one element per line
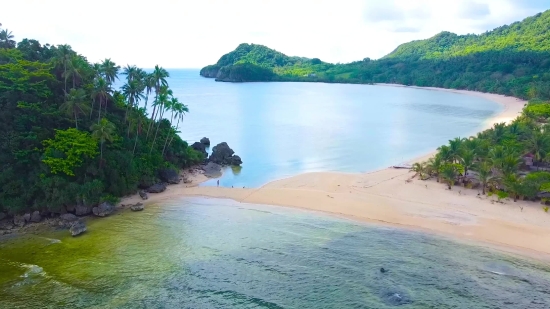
<point>386,197</point>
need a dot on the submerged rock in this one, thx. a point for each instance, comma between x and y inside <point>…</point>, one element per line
<point>205,141</point>
<point>104,209</point>
<point>77,228</point>
<point>158,188</point>
<point>212,170</point>
<point>169,175</point>
<point>36,217</point>
<point>137,207</point>
<point>143,195</point>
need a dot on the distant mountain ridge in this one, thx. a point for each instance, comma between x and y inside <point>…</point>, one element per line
<point>512,60</point>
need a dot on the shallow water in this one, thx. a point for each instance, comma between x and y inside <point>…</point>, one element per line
<point>285,129</point>
<point>208,253</point>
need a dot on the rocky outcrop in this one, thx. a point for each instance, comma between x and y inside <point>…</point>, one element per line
<point>104,209</point>
<point>3,216</point>
<point>222,154</point>
<point>205,141</point>
<point>169,175</point>
<point>137,207</point>
<point>68,218</point>
<point>77,228</point>
<point>158,188</point>
<point>70,208</point>
<point>210,71</point>
<point>19,221</point>
<point>212,170</point>
<point>82,210</point>
<point>36,217</point>
<point>197,146</point>
<point>6,225</point>
<point>143,195</point>
<point>27,217</point>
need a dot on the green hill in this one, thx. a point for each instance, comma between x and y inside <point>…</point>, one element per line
<point>511,60</point>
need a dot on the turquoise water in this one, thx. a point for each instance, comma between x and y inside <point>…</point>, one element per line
<point>284,129</point>
<point>208,253</point>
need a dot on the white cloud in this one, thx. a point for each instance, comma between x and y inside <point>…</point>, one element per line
<point>194,33</point>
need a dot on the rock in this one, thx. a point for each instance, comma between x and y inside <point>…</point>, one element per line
<point>221,154</point>
<point>235,160</point>
<point>6,225</point>
<point>169,175</point>
<point>70,208</point>
<point>205,141</point>
<point>104,209</point>
<point>19,221</point>
<point>36,217</point>
<point>185,180</point>
<point>382,270</point>
<point>137,207</point>
<point>212,170</point>
<point>81,210</point>
<point>3,216</point>
<point>143,195</point>
<point>77,228</point>
<point>27,217</point>
<point>200,148</point>
<point>68,217</point>
<point>158,188</point>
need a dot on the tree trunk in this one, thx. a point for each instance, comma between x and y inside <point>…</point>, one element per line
<point>99,115</point>
<point>152,117</point>
<point>157,131</point>
<point>76,120</point>
<point>135,143</point>
<point>177,127</point>
<point>101,155</point>
<point>168,135</point>
<point>92,110</point>
<point>65,77</point>
<point>483,189</point>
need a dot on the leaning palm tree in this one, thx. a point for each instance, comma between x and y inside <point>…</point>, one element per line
<point>159,76</point>
<point>420,169</point>
<point>103,131</point>
<point>180,109</point>
<point>75,104</point>
<point>165,103</point>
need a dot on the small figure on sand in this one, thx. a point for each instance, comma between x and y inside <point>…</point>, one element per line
<point>218,182</point>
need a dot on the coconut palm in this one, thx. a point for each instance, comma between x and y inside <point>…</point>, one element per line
<point>131,72</point>
<point>178,110</point>
<point>499,130</point>
<point>434,165</point>
<point>496,156</point>
<point>103,131</point>
<point>165,104</point>
<point>102,92</point>
<point>420,169</point>
<point>445,153</point>
<point>76,67</point>
<point>110,70</point>
<point>510,164</point>
<point>75,104</point>
<point>6,39</point>
<point>449,172</point>
<point>159,76</point>
<point>513,185</point>
<point>485,174</point>
<point>455,146</point>
<point>467,158</point>
<point>133,93</point>
<point>63,56</point>
<point>539,144</point>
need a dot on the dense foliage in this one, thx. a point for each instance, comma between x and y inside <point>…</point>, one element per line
<point>68,138</point>
<point>511,60</point>
<point>507,160</point>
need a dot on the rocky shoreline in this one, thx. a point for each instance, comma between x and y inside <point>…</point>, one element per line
<point>73,217</point>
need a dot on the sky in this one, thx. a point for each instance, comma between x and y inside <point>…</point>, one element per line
<point>195,33</point>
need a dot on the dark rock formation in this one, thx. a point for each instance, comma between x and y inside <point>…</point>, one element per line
<point>27,217</point>
<point>104,209</point>
<point>68,217</point>
<point>169,175</point>
<point>82,210</point>
<point>70,208</point>
<point>223,154</point>
<point>382,270</point>
<point>19,220</point>
<point>6,225</point>
<point>137,207</point>
<point>3,216</point>
<point>210,71</point>
<point>197,146</point>
<point>212,170</point>
<point>158,188</point>
<point>77,228</point>
<point>143,195</point>
<point>205,141</point>
<point>36,217</point>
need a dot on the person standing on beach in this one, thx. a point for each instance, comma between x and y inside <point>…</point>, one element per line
<point>218,182</point>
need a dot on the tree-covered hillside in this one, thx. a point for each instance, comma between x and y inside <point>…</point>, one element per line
<point>69,139</point>
<point>511,60</point>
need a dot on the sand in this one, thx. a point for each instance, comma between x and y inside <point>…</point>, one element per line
<point>386,197</point>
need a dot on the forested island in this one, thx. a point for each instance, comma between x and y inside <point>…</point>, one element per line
<point>70,140</point>
<point>512,60</point>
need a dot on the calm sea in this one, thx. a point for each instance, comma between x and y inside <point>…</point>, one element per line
<point>211,253</point>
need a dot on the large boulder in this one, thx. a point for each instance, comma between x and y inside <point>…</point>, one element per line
<point>221,154</point>
<point>137,207</point>
<point>158,188</point>
<point>104,209</point>
<point>235,160</point>
<point>3,215</point>
<point>77,228</point>
<point>68,217</point>
<point>19,220</point>
<point>82,210</point>
<point>212,170</point>
<point>27,217</point>
<point>36,217</point>
<point>70,208</point>
<point>143,195</point>
<point>169,175</point>
<point>197,146</point>
<point>205,141</point>
<point>6,225</point>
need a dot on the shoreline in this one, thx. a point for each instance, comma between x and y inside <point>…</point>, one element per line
<point>385,197</point>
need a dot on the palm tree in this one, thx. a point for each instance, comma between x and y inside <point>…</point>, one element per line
<point>510,164</point>
<point>75,68</point>
<point>6,39</point>
<point>133,93</point>
<point>467,160</point>
<point>102,91</point>
<point>159,76</point>
<point>148,84</point>
<point>513,185</point>
<point>539,144</point>
<point>496,156</point>
<point>76,103</point>
<point>131,73</point>
<point>455,145</point>
<point>136,120</point>
<point>110,70</point>
<point>420,169</point>
<point>180,109</point>
<point>164,102</point>
<point>445,153</point>
<point>63,56</point>
<point>499,129</point>
<point>484,173</point>
<point>103,131</point>
<point>434,165</point>
<point>449,172</point>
